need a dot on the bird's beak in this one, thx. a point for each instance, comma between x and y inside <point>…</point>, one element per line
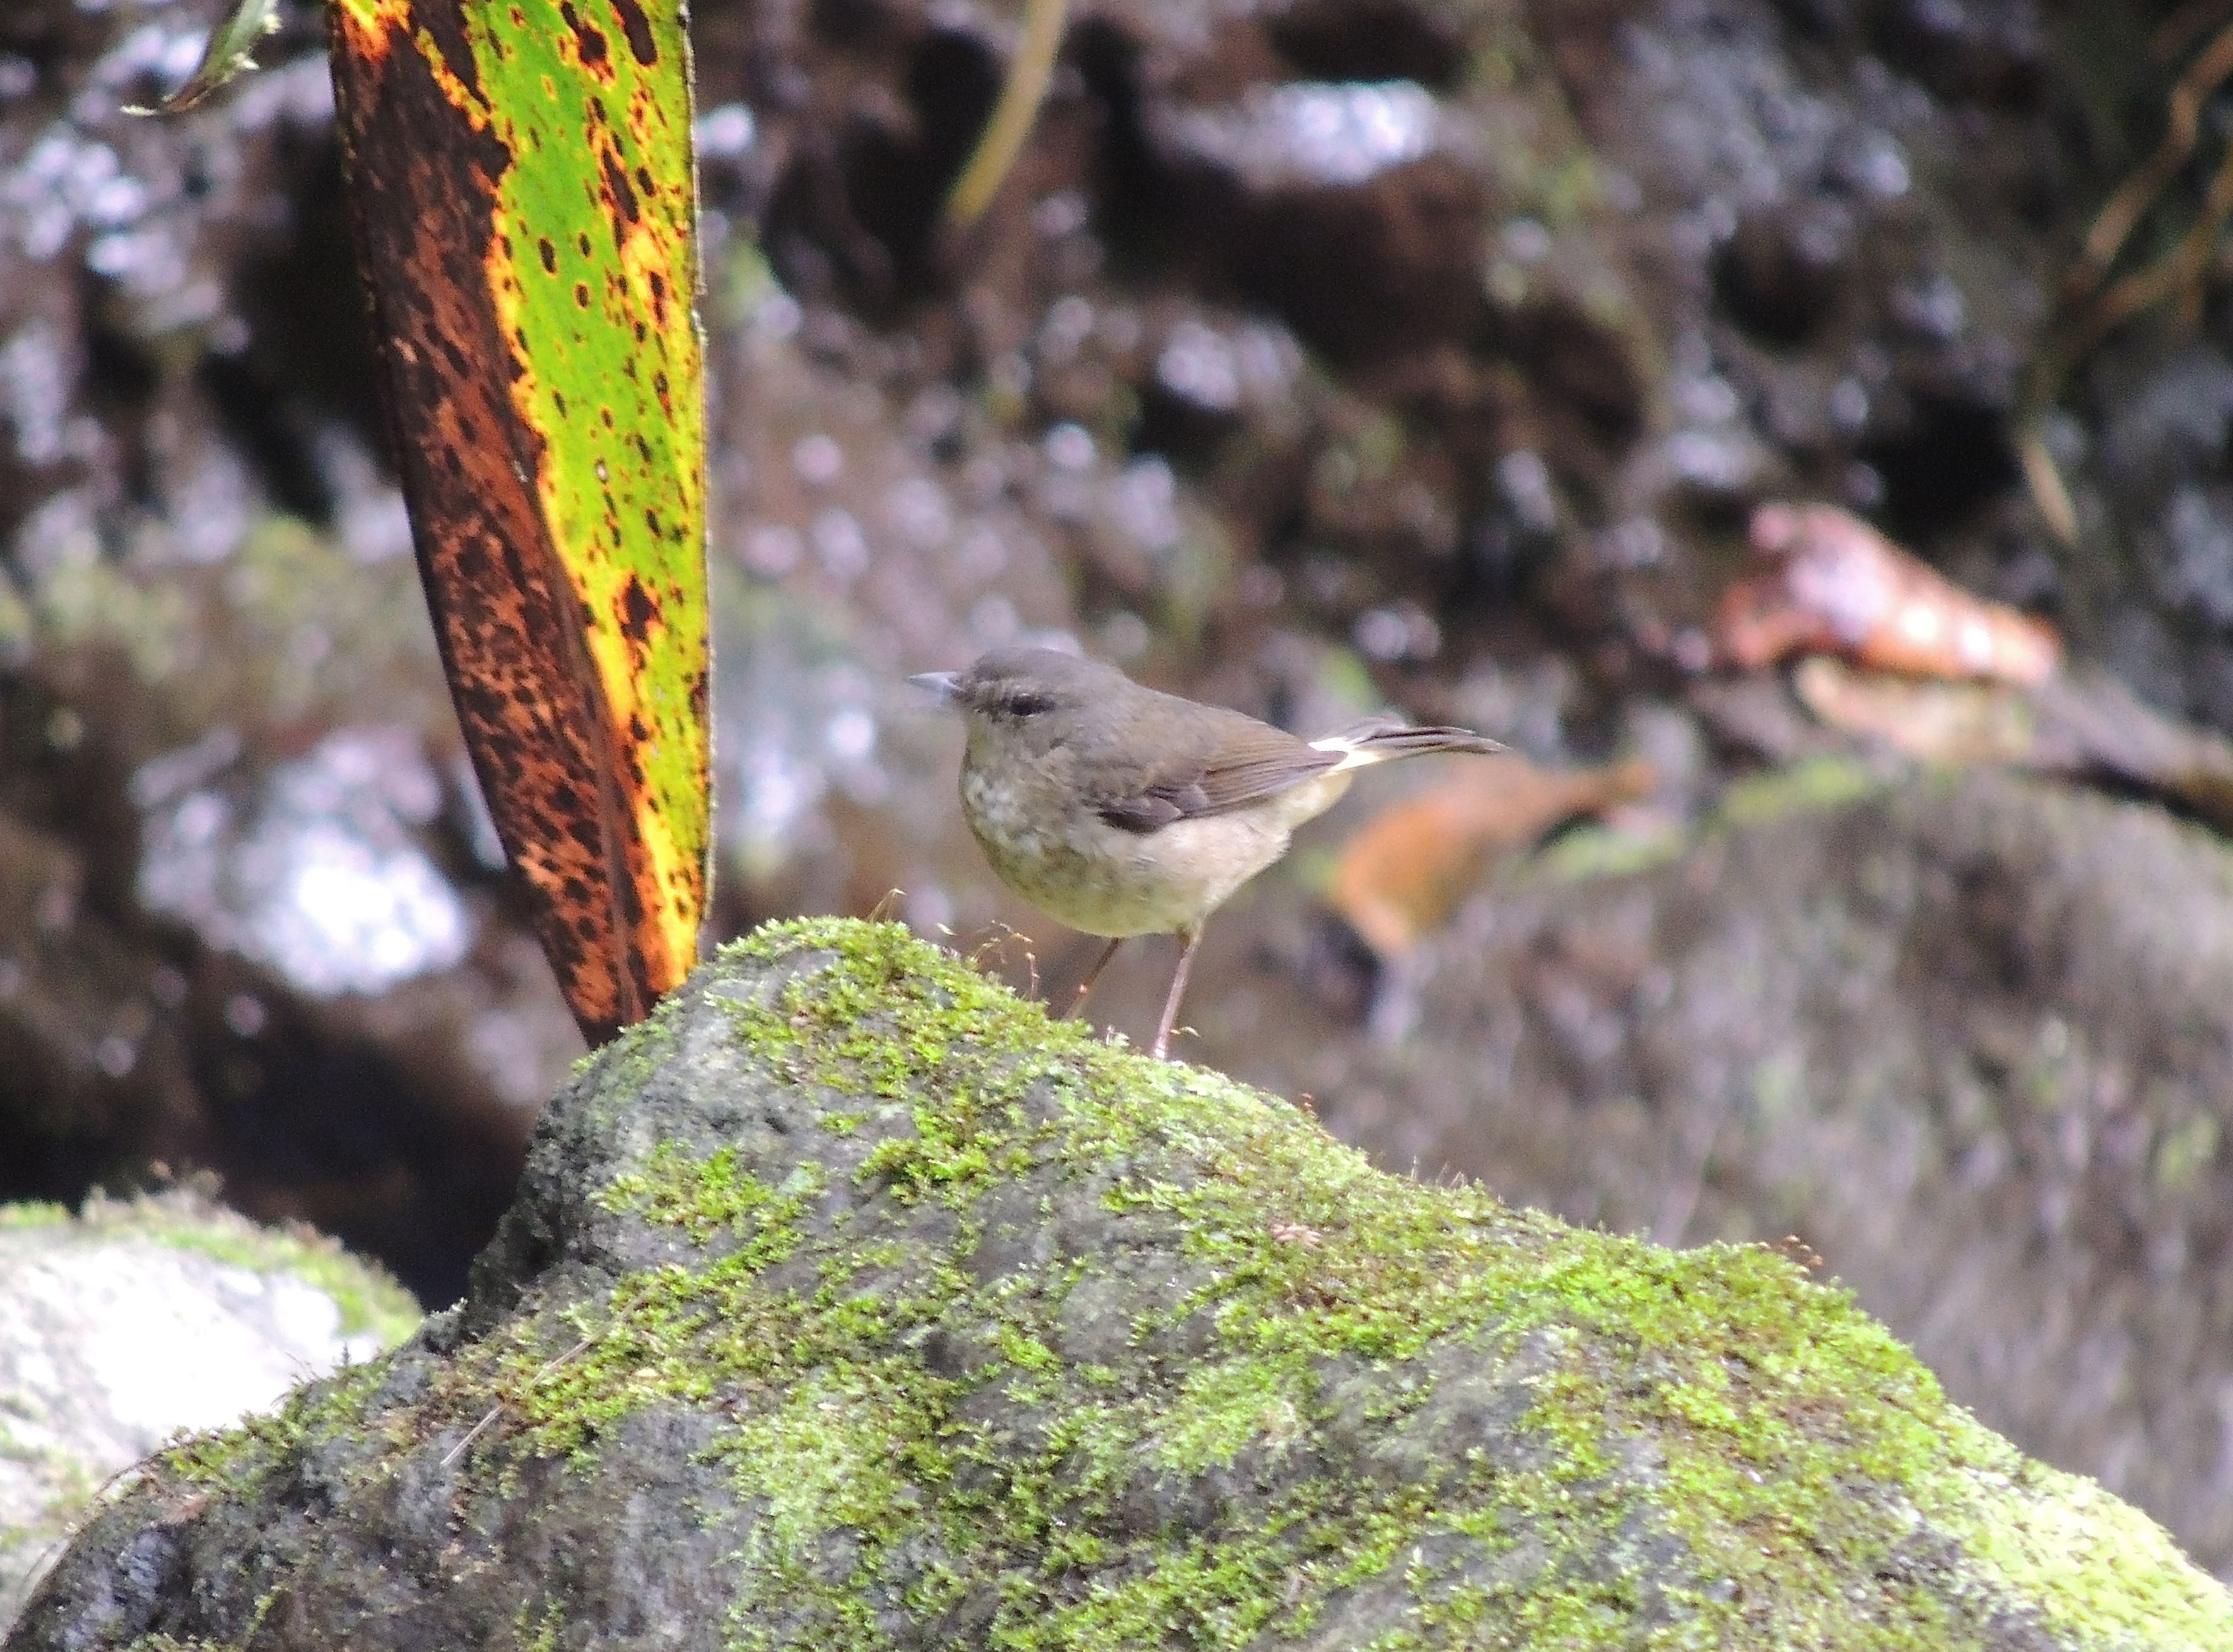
<point>946,684</point>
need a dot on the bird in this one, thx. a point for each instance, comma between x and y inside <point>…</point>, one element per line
<point>1120,810</point>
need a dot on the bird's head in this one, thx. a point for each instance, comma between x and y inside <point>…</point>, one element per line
<point>1013,687</point>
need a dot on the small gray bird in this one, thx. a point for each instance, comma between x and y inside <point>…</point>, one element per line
<point>1123,811</point>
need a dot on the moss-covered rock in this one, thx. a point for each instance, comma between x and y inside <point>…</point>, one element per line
<point>135,1320</point>
<point>849,1304</point>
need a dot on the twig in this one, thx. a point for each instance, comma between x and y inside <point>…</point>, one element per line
<point>2115,222</point>
<point>497,1409</point>
<point>1021,94</point>
<point>2044,478</point>
<point>996,939</point>
<point>2092,311</point>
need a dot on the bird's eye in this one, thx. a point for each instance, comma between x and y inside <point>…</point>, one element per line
<point>1024,703</point>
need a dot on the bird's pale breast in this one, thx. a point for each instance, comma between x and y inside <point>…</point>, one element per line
<point>1060,856</point>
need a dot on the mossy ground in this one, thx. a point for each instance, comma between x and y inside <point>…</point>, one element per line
<point>1222,1413</point>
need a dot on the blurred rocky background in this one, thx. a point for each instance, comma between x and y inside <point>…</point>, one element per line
<point>1318,355</point>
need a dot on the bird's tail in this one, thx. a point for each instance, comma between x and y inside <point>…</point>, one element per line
<point>1383,739</point>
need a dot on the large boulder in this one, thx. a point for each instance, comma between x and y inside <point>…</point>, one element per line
<point>850,1303</point>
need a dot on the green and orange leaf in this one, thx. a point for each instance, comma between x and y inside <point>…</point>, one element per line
<point>525,204</point>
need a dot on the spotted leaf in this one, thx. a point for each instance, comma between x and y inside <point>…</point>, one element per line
<point>522,183</point>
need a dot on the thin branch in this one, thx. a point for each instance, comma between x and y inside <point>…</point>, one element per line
<point>2115,222</point>
<point>497,1410</point>
<point>1021,94</point>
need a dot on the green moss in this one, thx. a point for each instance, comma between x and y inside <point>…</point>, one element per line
<point>32,1214</point>
<point>237,1459</point>
<point>716,1196</point>
<point>234,1459</point>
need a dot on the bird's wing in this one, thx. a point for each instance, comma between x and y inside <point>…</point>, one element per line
<point>1222,764</point>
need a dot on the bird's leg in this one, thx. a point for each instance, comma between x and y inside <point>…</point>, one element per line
<point>1077,999</point>
<point>1190,938</point>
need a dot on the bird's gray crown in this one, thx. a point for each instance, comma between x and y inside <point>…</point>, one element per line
<point>1024,682</point>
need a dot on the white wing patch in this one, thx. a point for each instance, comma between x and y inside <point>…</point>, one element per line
<point>1355,754</point>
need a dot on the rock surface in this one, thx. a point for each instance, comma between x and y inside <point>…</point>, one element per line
<point>132,1322</point>
<point>849,1304</point>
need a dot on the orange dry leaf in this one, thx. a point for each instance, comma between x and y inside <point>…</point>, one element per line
<point>1401,877</point>
<point>1839,587</point>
